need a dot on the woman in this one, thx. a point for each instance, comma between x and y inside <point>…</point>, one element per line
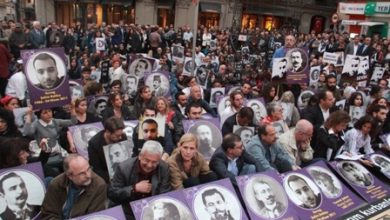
<point>187,166</point>
<point>142,99</point>
<point>8,128</point>
<point>329,136</point>
<point>355,100</point>
<point>9,103</point>
<point>116,108</point>
<point>270,93</point>
<point>163,110</point>
<point>74,71</point>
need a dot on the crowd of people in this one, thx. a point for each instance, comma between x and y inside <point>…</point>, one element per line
<point>278,140</point>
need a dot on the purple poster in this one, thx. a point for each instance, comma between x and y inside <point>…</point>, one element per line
<point>306,197</point>
<point>265,197</point>
<point>208,133</point>
<point>382,162</point>
<point>114,213</point>
<point>47,78</point>
<point>298,66</point>
<point>81,134</point>
<point>170,205</point>
<point>116,153</point>
<point>361,180</point>
<point>258,108</point>
<point>215,200</point>
<point>140,65</point>
<point>22,190</point>
<point>342,198</point>
<point>158,83</point>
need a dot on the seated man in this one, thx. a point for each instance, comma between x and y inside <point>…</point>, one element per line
<point>196,96</point>
<point>150,132</point>
<point>140,177</point>
<point>296,142</point>
<point>231,159</point>
<point>264,148</point>
<point>244,117</point>
<point>193,112</point>
<point>112,133</point>
<point>78,191</point>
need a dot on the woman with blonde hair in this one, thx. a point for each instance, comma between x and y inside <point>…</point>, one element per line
<point>187,166</point>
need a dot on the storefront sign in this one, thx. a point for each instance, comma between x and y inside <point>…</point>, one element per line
<point>377,8</point>
<point>352,8</point>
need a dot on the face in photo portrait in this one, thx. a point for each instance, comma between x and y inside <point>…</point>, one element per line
<point>304,98</point>
<point>188,66</point>
<point>178,51</point>
<point>100,105</point>
<point>355,173</point>
<point>129,129</point>
<point>209,136</point>
<point>158,83</point>
<point>20,191</point>
<point>265,197</point>
<point>298,60</point>
<point>280,68</point>
<point>201,75</point>
<point>76,91</point>
<point>364,66</point>
<point>166,208</point>
<point>216,203</point>
<point>258,108</point>
<point>327,181</point>
<point>315,75</point>
<point>131,84</point>
<point>116,153</point>
<point>302,191</point>
<point>245,133</point>
<point>223,103</point>
<point>139,66</point>
<point>383,163</point>
<point>46,70</point>
<point>216,96</point>
<point>83,134</point>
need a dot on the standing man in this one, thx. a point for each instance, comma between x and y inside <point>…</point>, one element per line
<point>289,42</point>
<point>215,204</point>
<point>14,192</point>
<point>46,71</point>
<point>140,177</point>
<point>36,36</point>
<point>78,191</point>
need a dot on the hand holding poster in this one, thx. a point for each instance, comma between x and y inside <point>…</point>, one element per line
<point>298,66</point>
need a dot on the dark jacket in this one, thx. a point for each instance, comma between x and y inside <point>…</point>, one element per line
<point>219,164</point>
<point>96,154</point>
<point>126,114</point>
<point>127,175</point>
<point>205,105</point>
<point>325,142</point>
<point>91,199</point>
<point>32,211</point>
<point>229,123</point>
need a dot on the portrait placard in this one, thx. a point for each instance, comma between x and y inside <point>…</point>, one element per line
<point>158,83</point>
<point>288,111</point>
<point>279,68</point>
<point>223,103</point>
<point>382,162</point>
<point>20,117</point>
<point>47,78</point>
<point>203,200</point>
<point>188,66</point>
<point>356,68</point>
<point>245,132</point>
<point>22,185</point>
<point>314,76</point>
<point>97,104</point>
<point>202,75</point>
<point>340,105</point>
<point>105,68</point>
<point>114,213</point>
<point>216,95</point>
<point>304,98</point>
<point>177,53</point>
<point>76,90</point>
<point>298,66</point>
<point>116,153</point>
<point>280,127</point>
<point>207,132</point>
<point>100,44</point>
<point>140,65</point>
<point>336,58</point>
<point>258,108</point>
<point>361,180</point>
<point>377,75</point>
<point>129,129</point>
<point>378,210</point>
<point>264,196</point>
<point>356,112</point>
<point>171,205</point>
<point>81,134</point>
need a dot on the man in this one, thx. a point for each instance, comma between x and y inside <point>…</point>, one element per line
<point>36,36</point>
<point>140,68</point>
<point>231,159</point>
<point>366,49</point>
<point>246,90</point>
<point>112,133</point>
<point>78,191</point>
<point>296,61</point>
<point>242,118</point>
<point>296,142</point>
<point>326,183</point>
<point>289,42</point>
<point>140,177</point>
<point>357,176</point>
<point>157,88</point>
<point>131,85</point>
<point>205,136</point>
<point>117,153</point>
<point>271,156</point>
<point>14,193</point>
<point>215,204</point>
<point>269,207</point>
<point>46,71</point>
<point>331,85</point>
<point>196,96</point>
<point>180,105</point>
<point>237,102</point>
<point>353,46</point>
<point>165,211</point>
<point>303,192</point>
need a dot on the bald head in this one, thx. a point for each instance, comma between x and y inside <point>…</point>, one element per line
<point>303,130</point>
<point>196,92</point>
<point>289,41</point>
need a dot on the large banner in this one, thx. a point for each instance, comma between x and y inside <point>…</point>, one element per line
<point>47,78</point>
<point>107,214</point>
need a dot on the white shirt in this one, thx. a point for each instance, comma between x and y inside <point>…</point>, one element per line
<point>206,38</point>
<point>325,113</point>
<point>17,86</point>
<point>187,36</point>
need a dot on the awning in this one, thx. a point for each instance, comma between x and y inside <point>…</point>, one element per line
<point>210,7</point>
<point>350,22</point>
<point>370,23</point>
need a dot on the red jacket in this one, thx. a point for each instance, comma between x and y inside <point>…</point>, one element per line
<point>5,58</point>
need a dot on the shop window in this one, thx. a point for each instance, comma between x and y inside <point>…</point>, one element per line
<point>209,19</point>
<point>165,17</point>
<point>249,21</point>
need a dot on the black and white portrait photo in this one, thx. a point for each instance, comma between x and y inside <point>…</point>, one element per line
<point>139,67</point>
<point>166,208</point>
<point>258,108</point>
<point>246,133</point>
<point>302,191</point>
<point>178,53</point>
<point>201,75</point>
<point>327,181</point>
<point>159,84</point>
<point>21,195</point>
<point>304,98</point>
<point>297,60</point>
<point>209,136</point>
<point>340,105</point>
<point>83,133</point>
<point>97,105</point>
<point>76,90</point>
<point>131,85</point>
<point>129,129</point>
<point>351,66</point>
<point>279,68</point>
<point>46,70</point>
<point>188,65</point>
<point>223,103</point>
<point>116,153</point>
<point>355,174</point>
<point>216,203</point>
<point>21,116</point>
<point>280,127</point>
<point>265,197</point>
<point>356,112</point>
<point>314,76</point>
<point>382,162</point>
<point>216,95</point>
<point>377,75</point>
